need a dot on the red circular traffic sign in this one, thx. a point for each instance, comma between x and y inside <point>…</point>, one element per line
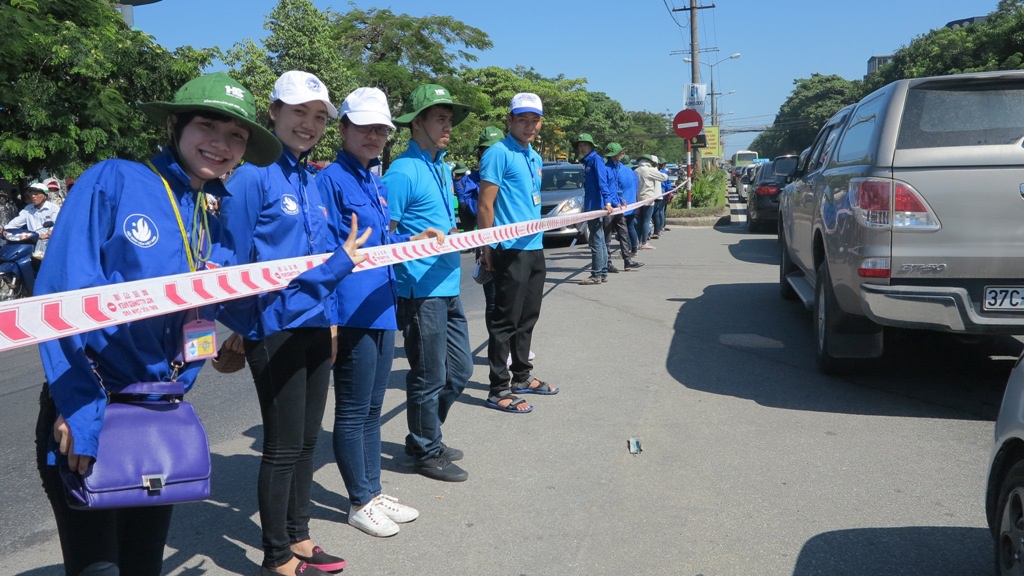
<point>688,123</point>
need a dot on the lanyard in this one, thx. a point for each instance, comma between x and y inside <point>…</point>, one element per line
<point>439,178</point>
<point>204,227</point>
<point>529,166</point>
<point>301,173</point>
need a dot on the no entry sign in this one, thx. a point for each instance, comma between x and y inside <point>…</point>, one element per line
<point>687,123</point>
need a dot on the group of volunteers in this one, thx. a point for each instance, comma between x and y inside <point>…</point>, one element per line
<point>130,221</point>
<point>610,182</point>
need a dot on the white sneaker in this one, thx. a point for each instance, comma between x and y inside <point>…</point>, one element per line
<point>397,512</point>
<point>530,358</point>
<point>373,521</point>
<point>647,247</point>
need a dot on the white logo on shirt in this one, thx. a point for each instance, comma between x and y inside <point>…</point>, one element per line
<point>290,204</point>
<point>141,230</point>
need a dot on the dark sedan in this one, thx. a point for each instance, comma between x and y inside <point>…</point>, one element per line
<point>763,193</point>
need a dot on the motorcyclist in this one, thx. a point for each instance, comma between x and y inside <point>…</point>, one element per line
<point>38,210</point>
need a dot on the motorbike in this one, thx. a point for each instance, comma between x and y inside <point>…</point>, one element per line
<point>17,276</point>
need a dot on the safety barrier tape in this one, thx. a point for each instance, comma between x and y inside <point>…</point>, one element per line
<point>41,318</point>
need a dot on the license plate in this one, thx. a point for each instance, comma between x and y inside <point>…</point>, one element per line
<point>1004,298</point>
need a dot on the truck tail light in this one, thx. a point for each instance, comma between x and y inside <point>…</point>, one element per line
<point>874,268</point>
<point>887,203</point>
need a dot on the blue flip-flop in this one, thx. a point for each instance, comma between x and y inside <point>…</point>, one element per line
<point>544,389</point>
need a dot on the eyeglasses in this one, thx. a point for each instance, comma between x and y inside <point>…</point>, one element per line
<point>378,129</point>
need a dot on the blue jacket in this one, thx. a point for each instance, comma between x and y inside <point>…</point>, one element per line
<point>367,299</point>
<point>120,226</point>
<point>467,190</point>
<point>667,184</point>
<point>628,184</point>
<point>420,196</point>
<point>272,213</point>
<point>597,190</point>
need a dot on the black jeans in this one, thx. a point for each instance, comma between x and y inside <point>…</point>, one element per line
<point>518,290</point>
<point>292,371</point>
<point>617,223</point>
<point>131,538</point>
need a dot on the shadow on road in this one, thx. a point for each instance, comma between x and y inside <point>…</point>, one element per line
<point>910,551</point>
<point>734,339</point>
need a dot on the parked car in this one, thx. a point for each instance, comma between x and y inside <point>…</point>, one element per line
<point>906,213</point>
<point>1004,495</point>
<point>561,194</point>
<point>763,193</point>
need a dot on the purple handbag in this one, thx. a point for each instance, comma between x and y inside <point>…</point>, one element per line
<point>152,452</point>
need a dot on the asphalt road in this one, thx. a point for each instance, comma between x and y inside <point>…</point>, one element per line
<point>752,461</point>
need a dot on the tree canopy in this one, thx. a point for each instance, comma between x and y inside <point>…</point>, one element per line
<point>71,78</point>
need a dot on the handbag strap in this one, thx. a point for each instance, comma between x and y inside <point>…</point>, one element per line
<point>148,388</point>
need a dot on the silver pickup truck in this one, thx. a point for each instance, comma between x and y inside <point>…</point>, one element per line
<point>907,210</point>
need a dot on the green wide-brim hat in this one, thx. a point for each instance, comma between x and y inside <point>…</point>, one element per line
<point>425,96</point>
<point>221,94</point>
<point>585,138</point>
<point>489,136</point>
<point>460,168</point>
<point>613,149</point>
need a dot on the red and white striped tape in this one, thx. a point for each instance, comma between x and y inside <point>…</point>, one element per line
<point>40,318</point>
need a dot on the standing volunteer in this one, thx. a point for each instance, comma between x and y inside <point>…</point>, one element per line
<point>598,194</point>
<point>365,311</point>
<point>131,221</point>
<point>275,212</point>
<point>429,308</point>
<point>510,178</point>
<point>650,188</point>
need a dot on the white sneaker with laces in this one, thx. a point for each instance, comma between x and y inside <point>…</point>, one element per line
<point>373,521</point>
<point>398,513</point>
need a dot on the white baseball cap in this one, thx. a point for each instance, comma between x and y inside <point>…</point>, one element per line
<point>655,159</point>
<point>365,106</point>
<point>527,102</point>
<point>297,87</point>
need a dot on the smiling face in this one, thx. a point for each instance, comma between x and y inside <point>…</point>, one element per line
<point>209,148</point>
<point>524,127</point>
<point>299,126</point>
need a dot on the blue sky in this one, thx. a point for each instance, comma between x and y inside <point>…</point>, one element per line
<point>623,48</point>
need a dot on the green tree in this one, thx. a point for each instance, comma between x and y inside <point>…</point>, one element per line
<point>396,52</point>
<point>811,103</point>
<point>300,39</point>
<point>72,75</point>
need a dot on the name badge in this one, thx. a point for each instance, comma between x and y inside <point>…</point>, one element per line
<point>199,340</point>
<point>536,199</point>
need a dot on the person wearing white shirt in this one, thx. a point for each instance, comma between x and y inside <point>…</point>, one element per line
<point>38,211</point>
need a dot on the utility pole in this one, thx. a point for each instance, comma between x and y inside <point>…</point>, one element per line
<point>694,75</point>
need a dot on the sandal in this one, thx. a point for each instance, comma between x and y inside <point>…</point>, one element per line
<point>542,388</point>
<point>590,281</point>
<point>513,407</point>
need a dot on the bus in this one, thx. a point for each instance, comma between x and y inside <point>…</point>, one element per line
<point>743,157</point>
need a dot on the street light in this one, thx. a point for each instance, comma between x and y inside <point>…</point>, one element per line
<point>714,105</point>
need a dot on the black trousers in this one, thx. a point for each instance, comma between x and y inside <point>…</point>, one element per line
<point>617,223</point>
<point>292,371</point>
<point>518,290</point>
<point>131,538</point>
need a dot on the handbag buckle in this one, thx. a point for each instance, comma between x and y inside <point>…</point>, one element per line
<point>153,482</point>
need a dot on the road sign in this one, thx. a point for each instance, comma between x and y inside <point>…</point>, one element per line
<point>687,123</point>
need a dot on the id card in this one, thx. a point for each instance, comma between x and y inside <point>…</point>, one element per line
<point>200,340</point>
<point>536,199</point>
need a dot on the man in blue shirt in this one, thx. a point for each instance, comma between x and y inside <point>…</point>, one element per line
<point>616,223</point>
<point>598,194</point>
<point>430,312</point>
<point>466,190</point>
<point>510,176</point>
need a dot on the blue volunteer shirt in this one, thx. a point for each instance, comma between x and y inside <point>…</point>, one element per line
<point>118,226</point>
<point>666,186</point>
<point>367,299</point>
<point>629,183</point>
<point>272,213</point>
<point>517,172</point>
<point>421,196</point>
<point>467,190</point>
<point>597,190</point>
